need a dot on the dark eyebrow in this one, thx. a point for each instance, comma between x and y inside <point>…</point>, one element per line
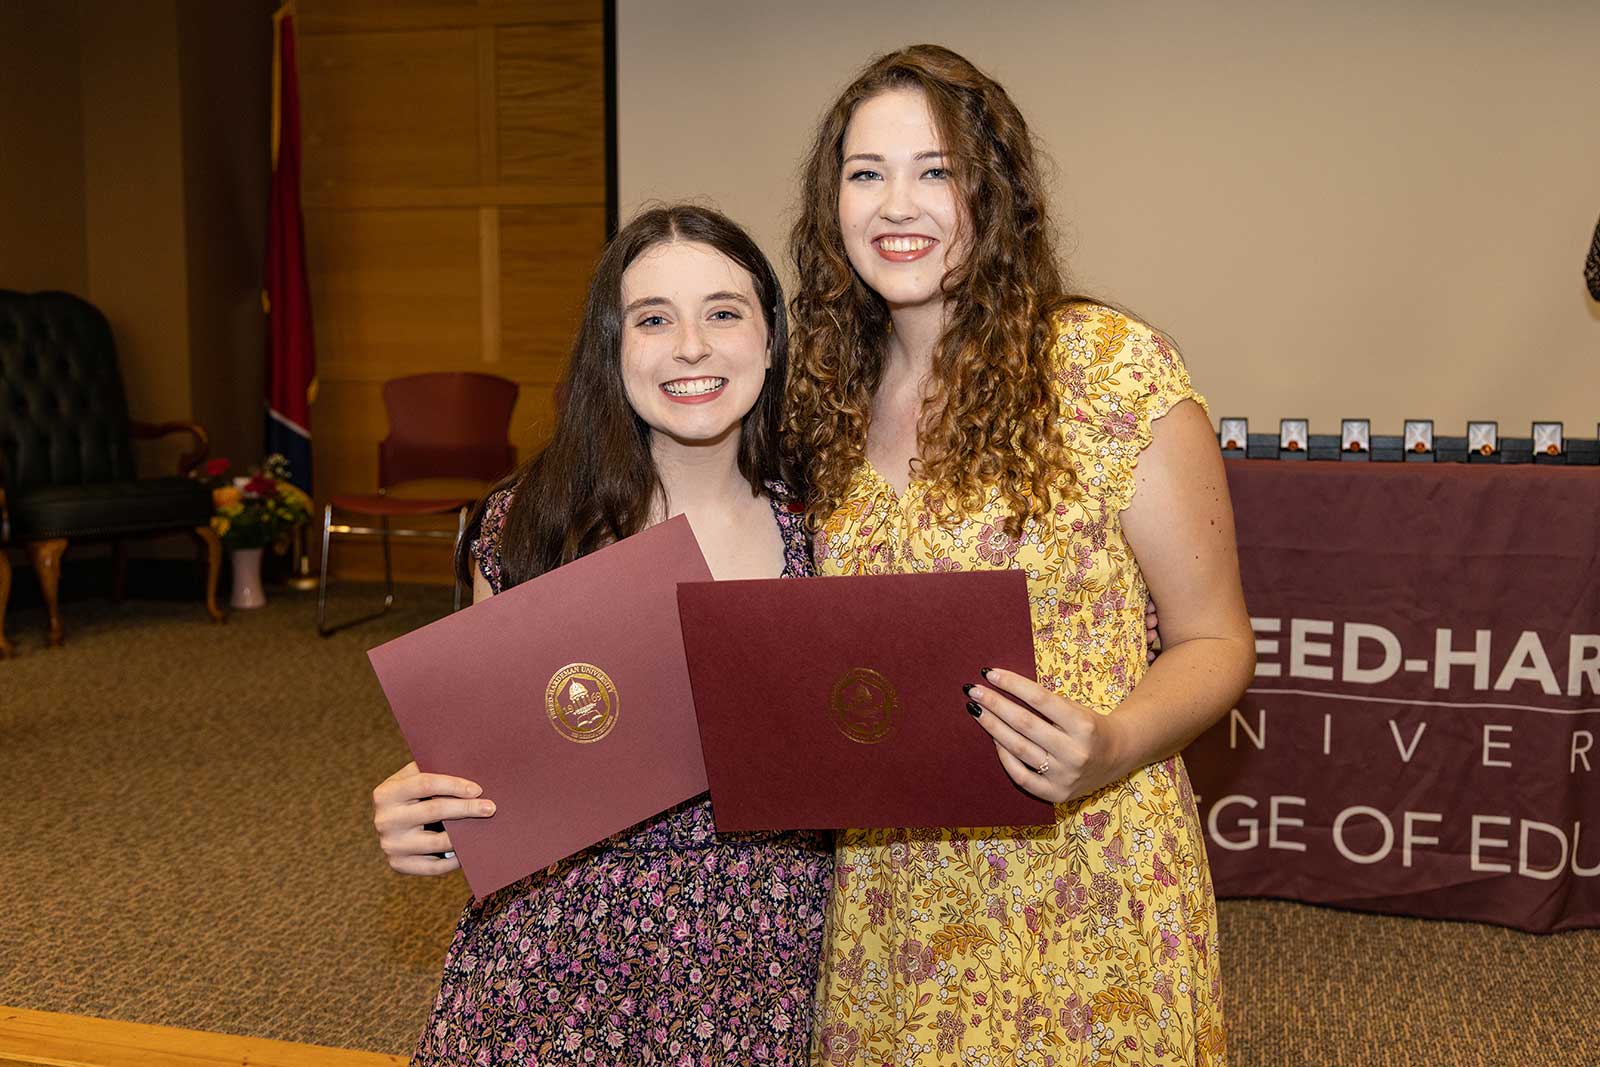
<point>873,157</point>
<point>661,301</point>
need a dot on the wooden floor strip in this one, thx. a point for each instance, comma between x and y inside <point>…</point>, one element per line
<point>46,1039</point>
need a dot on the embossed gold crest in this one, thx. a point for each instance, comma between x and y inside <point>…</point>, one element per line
<point>582,702</point>
<point>865,706</point>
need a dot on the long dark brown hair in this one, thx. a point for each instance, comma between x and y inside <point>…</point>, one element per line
<point>596,481</point>
<point>991,416</point>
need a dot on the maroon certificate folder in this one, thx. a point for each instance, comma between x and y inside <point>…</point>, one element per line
<point>565,697</point>
<point>832,702</point>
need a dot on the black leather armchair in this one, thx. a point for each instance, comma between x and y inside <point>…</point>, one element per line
<point>66,450</point>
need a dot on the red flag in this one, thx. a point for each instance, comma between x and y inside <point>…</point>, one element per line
<point>286,296</point>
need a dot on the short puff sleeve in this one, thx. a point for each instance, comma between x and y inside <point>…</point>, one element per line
<point>1116,377</point>
<point>485,548</point>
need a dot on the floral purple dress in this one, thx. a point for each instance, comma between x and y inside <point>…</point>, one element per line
<point>666,944</point>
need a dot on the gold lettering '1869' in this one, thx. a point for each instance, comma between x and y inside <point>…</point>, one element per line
<point>866,707</point>
<point>582,702</point>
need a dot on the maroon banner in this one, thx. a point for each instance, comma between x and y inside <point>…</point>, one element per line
<point>1420,736</point>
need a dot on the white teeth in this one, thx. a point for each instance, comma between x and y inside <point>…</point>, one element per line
<point>694,386</point>
<point>904,244</point>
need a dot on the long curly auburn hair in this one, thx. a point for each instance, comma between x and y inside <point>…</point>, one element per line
<point>990,419</point>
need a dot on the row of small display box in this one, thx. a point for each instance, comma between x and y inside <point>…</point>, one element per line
<point>1355,441</point>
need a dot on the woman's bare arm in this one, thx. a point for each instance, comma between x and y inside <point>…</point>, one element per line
<point>1180,528</point>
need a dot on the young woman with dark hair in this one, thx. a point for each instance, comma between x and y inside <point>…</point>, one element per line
<point>954,407</point>
<point>668,943</point>
<point>601,477</point>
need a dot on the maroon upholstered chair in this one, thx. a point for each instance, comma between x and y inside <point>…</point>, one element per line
<point>447,425</point>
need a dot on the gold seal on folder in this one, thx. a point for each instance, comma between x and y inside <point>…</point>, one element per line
<point>865,706</point>
<point>582,702</point>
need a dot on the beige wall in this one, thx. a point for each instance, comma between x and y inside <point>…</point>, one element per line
<point>42,243</point>
<point>133,152</point>
<point>133,172</point>
<point>225,68</point>
<point>1368,209</point>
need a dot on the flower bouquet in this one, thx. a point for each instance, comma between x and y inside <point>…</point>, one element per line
<point>256,509</point>
<point>251,512</point>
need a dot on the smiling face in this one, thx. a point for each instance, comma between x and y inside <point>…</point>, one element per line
<point>898,209</point>
<point>694,342</point>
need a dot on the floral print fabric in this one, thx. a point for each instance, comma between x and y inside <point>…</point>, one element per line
<point>1090,942</point>
<point>667,944</point>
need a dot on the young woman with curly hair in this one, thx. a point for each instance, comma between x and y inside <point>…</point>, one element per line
<point>955,408</point>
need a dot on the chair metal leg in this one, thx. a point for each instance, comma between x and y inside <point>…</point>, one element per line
<point>322,580</point>
<point>388,566</point>
<point>323,629</point>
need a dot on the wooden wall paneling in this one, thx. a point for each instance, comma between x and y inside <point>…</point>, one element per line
<point>390,109</point>
<point>488,107</point>
<point>350,421</point>
<point>534,417</point>
<point>455,204</point>
<point>543,10</point>
<point>489,274</point>
<point>488,214</point>
<point>364,16</point>
<point>546,256</point>
<point>357,16</point>
<point>372,198</point>
<point>552,108</point>
<point>394,292</point>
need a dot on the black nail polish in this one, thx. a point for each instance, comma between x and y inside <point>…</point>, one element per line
<point>974,708</point>
<point>968,688</point>
<point>985,671</point>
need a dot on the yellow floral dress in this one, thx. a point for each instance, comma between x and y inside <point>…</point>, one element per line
<point>1093,941</point>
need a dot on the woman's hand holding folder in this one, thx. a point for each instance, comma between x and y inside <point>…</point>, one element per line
<point>404,805</point>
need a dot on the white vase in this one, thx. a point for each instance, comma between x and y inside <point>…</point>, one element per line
<point>247,579</point>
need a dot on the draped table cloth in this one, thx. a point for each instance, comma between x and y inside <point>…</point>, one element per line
<point>1421,734</point>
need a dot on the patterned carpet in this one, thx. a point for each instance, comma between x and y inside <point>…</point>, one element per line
<point>189,844</point>
<point>195,845</point>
